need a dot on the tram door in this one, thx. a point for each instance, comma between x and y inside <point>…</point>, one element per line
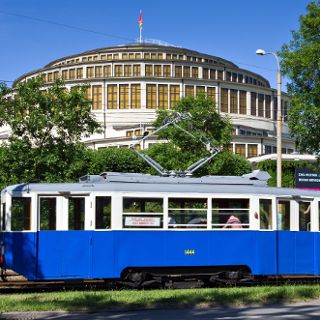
<point>63,244</point>
<point>295,242</point>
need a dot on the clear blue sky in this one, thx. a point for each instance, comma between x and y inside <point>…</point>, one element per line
<point>231,29</point>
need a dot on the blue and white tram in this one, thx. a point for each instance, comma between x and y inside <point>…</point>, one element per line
<point>118,226</point>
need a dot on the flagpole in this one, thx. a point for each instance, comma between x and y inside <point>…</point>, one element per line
<point>140,35</point>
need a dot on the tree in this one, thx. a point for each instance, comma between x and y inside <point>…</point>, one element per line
<point>46,128</point>
<point>208,127</point>
<point>301,63</point>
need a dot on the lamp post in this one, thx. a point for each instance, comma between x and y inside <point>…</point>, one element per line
<point>279,117</point>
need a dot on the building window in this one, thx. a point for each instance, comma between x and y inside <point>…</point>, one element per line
<point>131,56</point>
<point>260,104</point>
<point>234,77</point>
<point>212,74</point>
<point>267,149</point>
<point>79,73</point>
<point>118,71</point>
<point>116,56</point>
<point>174,95</point>
<point>147,55</point>
<point>149,72</point>
<point>135,96</point>
<point>224,100</point>
<point>195,72</point>
<point>240,149</point>
<point>166,70</point>
<point>211,93</point>
<point>127,71</point>
<point>151,96</point>
<point>136,70</point>
<point>163,96</point>
<point>189,91</point>
<point>186,72</point>
<point>72,74</point>
<point>233,101</point>
<point>243,102</point>
<point>96,97</point>
<point>109,56</point>
<point>268,106</point>
<point>90,72</point>
<point>205,73</point>
<point>65,74</point>
<point>157,70</point>
<point>124,96</point>
<point>124,56</point>
<point>178,71</point>
<point>56,75</point>
<point>138,55</point>
<point>112,96</point>
<point>220,75</point>
<point>253,103</point>
<point>153,56</point>
<point>228,76</point>
<point>252,150</point>
<point>50,77</point>
<point>199,90</point>
<point>107,71</point>
<point>98,72</point>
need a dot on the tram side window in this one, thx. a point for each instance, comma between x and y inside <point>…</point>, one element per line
<point>265,207</point>
<point>283,215</point>
<point>76,213</point>
<point>187,213</point>
<point>230,213</point>
<point>142,212</point>
<point>304,215</point>
<point>103,212</point>
<point>48,213</point>
<point>21,214</point>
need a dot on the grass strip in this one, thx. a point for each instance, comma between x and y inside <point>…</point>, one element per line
<point>134,299</point>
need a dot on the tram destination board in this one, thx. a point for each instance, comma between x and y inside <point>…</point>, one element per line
<point>306,178</point>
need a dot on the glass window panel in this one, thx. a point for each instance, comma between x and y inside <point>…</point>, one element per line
<point>96,97</point>
<point>98,72</point>
<point>107,71</point>
<point>76,213</point>
<point>195,72</point>
<point>149,70</point>
<point>142,205</point>
<point>124,96</point>
<point>79,73</point>
<point>157,70</point>
<point>178,71</point>
<point>135,96</point>
<point>224,100</point>
<point>163,96</point>
<point>174,95</point>
<point>90,72</point>
<point>233,101</point>
<point>243,102</point>
<point>211,93</point>
<point>118,71</point>
<point>136,70</point>
<point>240,149</point>
<point>103,212</point>
<point>200,90</point>
<point>283,215</point>
<point>265,209</point>
<point>189,91</point>
<point>112,99</point>
<point>187,213</point>
<point>304,215</point>
<point>186,72</point>
<point>151,96</point>
<point>253,103</point>
<point>48,213</point>
<point>166,71</point>
<point>252,150</point>
<point>21,214</point>
<point>268,106</point>
<point>230,213</point>
<point>260,105</point>
<point>205,73</point>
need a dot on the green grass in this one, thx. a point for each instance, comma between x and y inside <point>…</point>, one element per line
<point>133,299</point>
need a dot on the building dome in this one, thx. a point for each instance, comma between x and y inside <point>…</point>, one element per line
<point>129,83</point>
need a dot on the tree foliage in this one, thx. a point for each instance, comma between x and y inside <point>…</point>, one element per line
<point>301,63</point>
<point>208,127</point>
<point>46,127</point>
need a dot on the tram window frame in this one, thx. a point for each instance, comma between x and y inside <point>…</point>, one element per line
<point>187,213</point>
<point>226,208</point>
<point>79,219</point>
<point>265,216</point>
<point>52,215</point>
<point>103,209</point>
<point>3,217</point>
<point>24,224</point>
<point>136,216</point>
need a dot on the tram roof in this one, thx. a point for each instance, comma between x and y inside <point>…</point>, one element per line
<point>253,183</point>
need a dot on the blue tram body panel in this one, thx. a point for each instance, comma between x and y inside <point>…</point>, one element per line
<point>105,254</point>
<point>21,253</point>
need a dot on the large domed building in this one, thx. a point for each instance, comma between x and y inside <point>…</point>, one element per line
<point>129,83</point>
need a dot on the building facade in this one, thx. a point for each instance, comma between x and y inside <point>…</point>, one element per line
<point>129,83</point>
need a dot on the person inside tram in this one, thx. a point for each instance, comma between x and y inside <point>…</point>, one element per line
<point>233,222</point>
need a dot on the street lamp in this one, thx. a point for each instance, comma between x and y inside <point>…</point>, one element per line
<point>279,117</point>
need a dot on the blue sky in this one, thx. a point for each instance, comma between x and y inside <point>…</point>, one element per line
<point>231,29</point>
